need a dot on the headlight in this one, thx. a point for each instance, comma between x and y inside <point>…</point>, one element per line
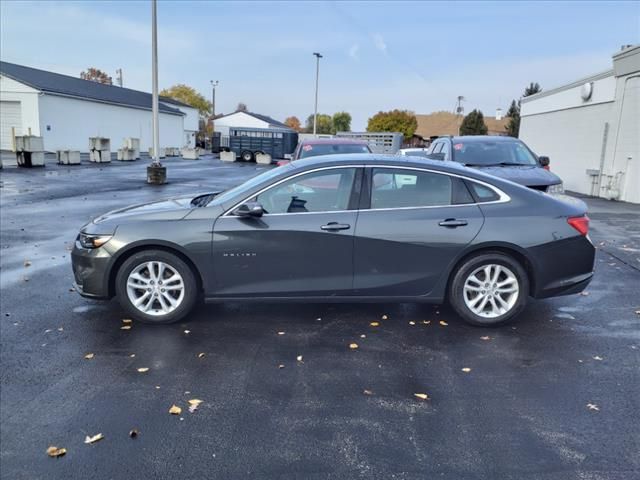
<point>93,241</point>
<point>555,189</point>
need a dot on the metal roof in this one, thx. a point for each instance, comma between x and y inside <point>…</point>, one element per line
<point>65,85</point>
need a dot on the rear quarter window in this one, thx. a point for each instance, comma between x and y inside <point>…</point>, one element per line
<point>483,193</point>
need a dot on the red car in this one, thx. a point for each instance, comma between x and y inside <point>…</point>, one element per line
<point>327,146</point>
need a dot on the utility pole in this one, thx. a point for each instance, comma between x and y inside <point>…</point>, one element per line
<point>315,111</point>
<point>460,111</point>
<point>213,97</point>
<point>156,173</point>
<point>119,77</point>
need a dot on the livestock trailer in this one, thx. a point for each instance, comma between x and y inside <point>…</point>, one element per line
<point>379,142</point>
<point>246,143</point>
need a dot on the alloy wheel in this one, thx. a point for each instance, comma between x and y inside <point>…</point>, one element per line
<point>155,288</point>
<point>491,291</point>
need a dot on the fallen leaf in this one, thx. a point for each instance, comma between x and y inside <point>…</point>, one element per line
<point>134,433</point>
<point>175,410</point>
<point>375,324</point>
<point>363,336</point>
<point>426,322</point>
<point>593,406</point>
<point>201,355</point>
<point>384,317</point>
<point>132,355</point>
<point>637,312</point>
<point>187,332</point>
<point>584,294</point>
<point>125,327</point>
<point>143,369</point>
<point>486,337</point>
<point>412,323</point>
<point>421,396</point>
<point>48,330</point>
<point>89,356</point>
<point>157,387</point>
<point>598,358</point>
<point>466,369</point>
<point>55,451</point>
<point>367,392</point>
<point>96,438</point>
<point>299,358</point>
<point>60,329</point>
<point>27,263</point>
<point>318,319</point>
<point>443,323</point>
<point>280,333</point>
<point>281,366</point>
<point>353,346</point>
<point>127,320</point>
<point>194,403</point>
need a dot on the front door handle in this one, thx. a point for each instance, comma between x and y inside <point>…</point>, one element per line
<point>453,223</point>
<point>334,226</point>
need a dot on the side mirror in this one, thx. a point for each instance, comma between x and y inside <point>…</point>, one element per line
<point>544,162</point>
<point>436,156</point>
<point>249,209</point>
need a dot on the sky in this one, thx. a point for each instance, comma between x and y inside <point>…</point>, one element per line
<point>377,56</point>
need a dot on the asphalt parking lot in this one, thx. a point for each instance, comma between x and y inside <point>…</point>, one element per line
<point>553,396</point>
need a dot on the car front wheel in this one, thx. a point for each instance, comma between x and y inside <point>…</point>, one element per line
<point>489,289</point>
<point>155,286</point>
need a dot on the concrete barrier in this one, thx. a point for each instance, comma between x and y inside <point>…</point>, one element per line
<point>99,150</point>
<point>133,143</point>
<point>126,155</point>
<point>68,157</point>
<point>190,154</point>
<point>29,151</point>
<point>263,158</point>
<point>228,156</point>
<point>172,152</point>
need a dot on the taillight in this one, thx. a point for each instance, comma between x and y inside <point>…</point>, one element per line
<point>581,224</point>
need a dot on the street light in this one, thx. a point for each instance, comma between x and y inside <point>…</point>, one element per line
<point>213,97</point>
<point>156,173</point>
<point>315,111</point>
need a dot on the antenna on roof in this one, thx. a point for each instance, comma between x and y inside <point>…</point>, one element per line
<point>459,107</point>
<point>119,77</point>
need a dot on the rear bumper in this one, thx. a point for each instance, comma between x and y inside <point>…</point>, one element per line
<point>563,267</point>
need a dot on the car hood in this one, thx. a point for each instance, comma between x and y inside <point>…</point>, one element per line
<point>529,176</point>
<point>174,208</point>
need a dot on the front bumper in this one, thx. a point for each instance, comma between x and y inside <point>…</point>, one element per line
<point>91,271</point>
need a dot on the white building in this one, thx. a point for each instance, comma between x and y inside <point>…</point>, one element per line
<point>67,111</point>
<point>591,130</point>
<point>245,120</point>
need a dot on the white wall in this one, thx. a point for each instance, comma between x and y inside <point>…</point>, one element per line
<point>572,139</point>
<point>237,119</point>
<point>13,91</point>
<point>72,121</point>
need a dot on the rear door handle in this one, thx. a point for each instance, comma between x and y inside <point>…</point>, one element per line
<point>334,226</point>
<point>453,223</point>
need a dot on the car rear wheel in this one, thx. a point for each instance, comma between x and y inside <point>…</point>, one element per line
<point>489,289</point>
<point>246,156</point>
<point>155,286</point>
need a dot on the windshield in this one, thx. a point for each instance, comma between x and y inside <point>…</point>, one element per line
<point>329,149</point>
<point>249,184</point>
<point>493,153</point>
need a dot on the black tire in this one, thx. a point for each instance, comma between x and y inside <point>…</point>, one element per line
<point>470,265</point>
<point>176,263</point>
<point>246,156</point>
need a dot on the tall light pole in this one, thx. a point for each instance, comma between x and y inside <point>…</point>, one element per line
<point>156,173</point>
<point>213,97</point>
<point>315,111</point>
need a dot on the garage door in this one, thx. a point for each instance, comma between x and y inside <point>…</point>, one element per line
<point>10,116</point>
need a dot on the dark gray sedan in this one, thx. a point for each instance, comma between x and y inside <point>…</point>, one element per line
<point>342,228</point>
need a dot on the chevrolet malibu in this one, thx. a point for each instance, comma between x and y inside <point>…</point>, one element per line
<point>349,228</point>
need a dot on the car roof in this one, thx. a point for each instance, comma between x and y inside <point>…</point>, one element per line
<point>378,159</point>
<point>480,138</point>
<point>332,141</point>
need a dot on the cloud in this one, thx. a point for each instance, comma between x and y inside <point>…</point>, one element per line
<point>353,51</point>
<point>378,42</point>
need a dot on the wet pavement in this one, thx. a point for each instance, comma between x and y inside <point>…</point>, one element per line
<point>553,396</point>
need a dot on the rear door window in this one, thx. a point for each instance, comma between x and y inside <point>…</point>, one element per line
<point>401,188</point>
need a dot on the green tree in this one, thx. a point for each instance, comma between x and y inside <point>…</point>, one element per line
<point>532,89</point>
<point>341,122</point>
<point>324,124</point>
<point>294,123</point>
<point>513,125</point>
<point>96,75</point>
<point>473,124</point>
<point>189,95</point>
<point>394,121</point>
